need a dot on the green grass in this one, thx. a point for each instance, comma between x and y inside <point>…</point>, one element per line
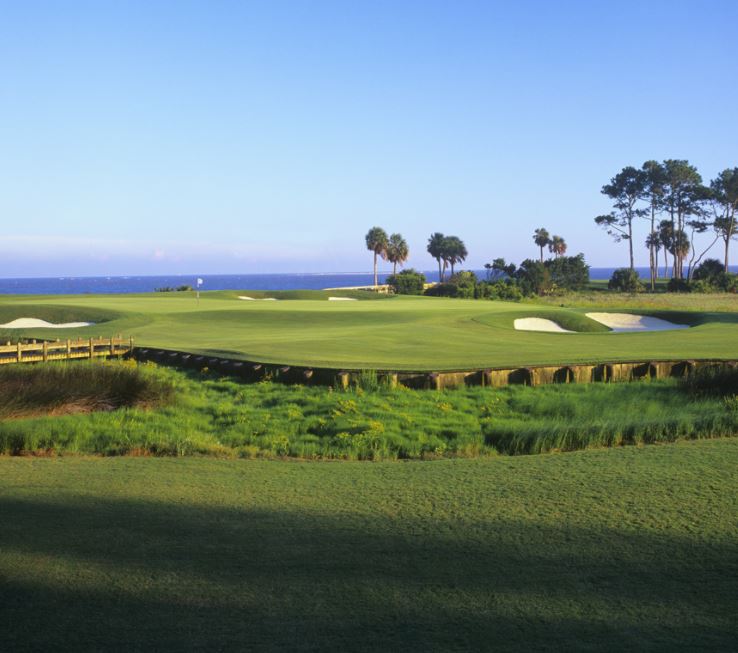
<point>403,333</point>
<point>612,550</point>
<point>220,416</point>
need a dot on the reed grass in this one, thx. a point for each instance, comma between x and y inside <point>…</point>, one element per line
<point>208,414</point>
<point>84,386</point>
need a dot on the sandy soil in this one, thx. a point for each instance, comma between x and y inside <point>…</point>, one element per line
<point>622,322</point>
<point>35,323</point>
<point>342,299</point>
<point>538,324</point>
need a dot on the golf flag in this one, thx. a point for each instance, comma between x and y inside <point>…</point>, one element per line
<point>199,282</point>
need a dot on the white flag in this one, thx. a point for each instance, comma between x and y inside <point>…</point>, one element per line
<point>199,282</point>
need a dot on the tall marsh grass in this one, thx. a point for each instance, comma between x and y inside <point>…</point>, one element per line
<point>221,416</point>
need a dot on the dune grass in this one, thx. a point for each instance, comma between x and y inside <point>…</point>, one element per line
<point>82,386</point>
<point>221,416</point>
<point>612,550</point>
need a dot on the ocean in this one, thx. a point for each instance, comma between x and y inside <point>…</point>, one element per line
<point>144,284</point>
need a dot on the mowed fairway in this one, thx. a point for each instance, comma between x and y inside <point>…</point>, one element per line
<point>611,550</point>
<point>411,333</point>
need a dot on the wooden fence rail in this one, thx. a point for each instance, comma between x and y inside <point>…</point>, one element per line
<point>45,350</point>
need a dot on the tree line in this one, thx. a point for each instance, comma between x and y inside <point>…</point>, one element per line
<point>672,197</point>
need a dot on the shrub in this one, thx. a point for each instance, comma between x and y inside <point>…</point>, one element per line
<point>503,290</point>
<point>534,278</point>
<point>465,282</point>
<point>568,272</point>
<point>407,282</point>
<point>710,276</point>
<point>678,285</point>
<point>461,285</point>
<point>625,280</point>
<point>441,290</point>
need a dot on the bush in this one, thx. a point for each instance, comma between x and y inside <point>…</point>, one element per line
<point>678,285</point>
<point>568,272</point>
<point>465,282</point>
<point>709,270</point>
<point>534,278</point>
<point>625,280</point>
<point>506,290</point>
<point>461,285</point>
<point>710,276</point>
<point>441,290</point>
<point>407,282</point>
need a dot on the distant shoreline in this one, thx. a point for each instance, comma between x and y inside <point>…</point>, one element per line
<point>272,281</point>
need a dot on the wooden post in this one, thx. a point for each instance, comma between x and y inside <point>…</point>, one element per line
<point>130,344</point>
<point>69,349</point>
<point>92,349</point>
<point>46,352</point>
<point>112,346</point>
<point>20,352</point>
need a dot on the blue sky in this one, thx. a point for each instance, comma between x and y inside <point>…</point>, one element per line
<point>236,137</point>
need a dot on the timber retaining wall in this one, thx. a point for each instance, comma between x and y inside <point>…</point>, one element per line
<point>605,372</point>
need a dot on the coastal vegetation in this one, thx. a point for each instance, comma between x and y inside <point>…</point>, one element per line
<point>162,411</point>
<point>674,190</point>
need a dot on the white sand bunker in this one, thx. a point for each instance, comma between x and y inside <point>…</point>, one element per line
<point>622,322</point>
<point>35,323</point>
<point>254,299</point>
<point>538,324</point>
<point>342,299</point>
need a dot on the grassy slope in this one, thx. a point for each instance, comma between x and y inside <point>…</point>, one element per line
<point>627,549</point>
<point>395,333</point>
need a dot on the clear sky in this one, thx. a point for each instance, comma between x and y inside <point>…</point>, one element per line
<point>237,137</point>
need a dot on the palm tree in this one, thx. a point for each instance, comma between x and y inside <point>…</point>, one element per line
<point>541,238</point>
<point>397,251</point>
<point>435,249</point>
<point>376,241</point>
<point>454,251</point>
<point>557,246</point>
<point>653,244</point>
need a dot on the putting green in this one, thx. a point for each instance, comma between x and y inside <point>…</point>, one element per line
<point>403,333</point>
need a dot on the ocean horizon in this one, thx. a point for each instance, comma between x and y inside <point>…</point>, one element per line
<point>71,285</point>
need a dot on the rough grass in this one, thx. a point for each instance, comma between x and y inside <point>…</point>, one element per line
<point>630,549</point>
<point>708,303</point>
<point>216,415</point>
<point>401,333</point>
<point>78,387</point>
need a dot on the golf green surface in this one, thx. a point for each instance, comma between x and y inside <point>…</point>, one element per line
<point>401,333</point>
<point>627,549</point>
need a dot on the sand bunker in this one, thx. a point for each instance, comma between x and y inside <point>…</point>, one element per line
<point>538,324</point>
<point>35,323</point>
<point>342,299</point>
<point>262,299</point>
<point>622,322</point>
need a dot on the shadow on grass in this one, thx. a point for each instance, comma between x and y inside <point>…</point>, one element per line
<point>87,574</point>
